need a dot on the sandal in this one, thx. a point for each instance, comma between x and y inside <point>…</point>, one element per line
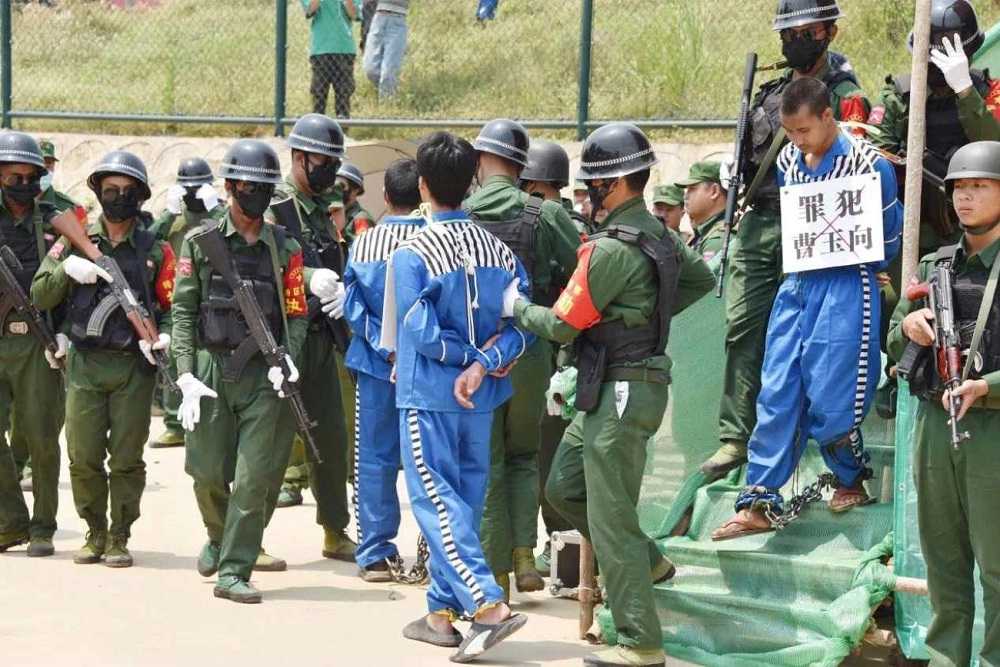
<point>745,522</point>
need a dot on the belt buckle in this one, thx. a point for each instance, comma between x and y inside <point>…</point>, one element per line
<point>18,328</point>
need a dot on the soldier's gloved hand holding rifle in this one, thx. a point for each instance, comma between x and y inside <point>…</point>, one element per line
<point>162,344</point>
<point>954,64</point>
<point>55,358</point>
<point>84,271</point>
<point>277,376</point>
<point>192,390</point>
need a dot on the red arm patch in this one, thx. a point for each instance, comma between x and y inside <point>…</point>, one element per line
<point>165,278</point>
<point>993,99</point>
<point>295,288</point>
<point>853,109</point>
<point>575,306</point>
<point>361,225</point>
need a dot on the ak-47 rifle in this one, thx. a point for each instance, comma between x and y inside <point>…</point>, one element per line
<point>68,224</point>
<point>947,343</point>
<point>213,246</point>
<point>13,297</point>
<point>740,155</point>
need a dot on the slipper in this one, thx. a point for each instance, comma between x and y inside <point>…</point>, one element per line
<point>483,637</point>
<point>419,631</point>
<point>739,526</point>
<point>848,497</point>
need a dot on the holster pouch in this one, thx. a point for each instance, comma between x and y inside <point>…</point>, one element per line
<point>592,360</point>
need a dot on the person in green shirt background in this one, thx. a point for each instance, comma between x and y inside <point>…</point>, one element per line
<point>705,204</point>
<point>331,52</point>
<point>668,205</point>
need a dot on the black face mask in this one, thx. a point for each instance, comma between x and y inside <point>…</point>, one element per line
<point>321,177</point>
<point>23,193</point>
<point>255,202</point>
<point>597,194</point>
<point>122,207</point>
<point>191,201</point>
<point>803,51</point>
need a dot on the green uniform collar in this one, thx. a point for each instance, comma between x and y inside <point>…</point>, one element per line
<point>19,222</point>
<point>500,180</point>
<point>986,257</point>
<point>704,229</point>
<point>307,202</point>
<point>634,213</point>
<point>100,230</point>
<point>266,232</point>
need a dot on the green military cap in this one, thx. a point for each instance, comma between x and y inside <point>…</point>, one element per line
<point>48,149</point>
<point>579,186</point>
<point>671,195</point>
<point>701,172</point>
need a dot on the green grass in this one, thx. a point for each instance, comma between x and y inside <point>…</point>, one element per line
<point>651,59</point>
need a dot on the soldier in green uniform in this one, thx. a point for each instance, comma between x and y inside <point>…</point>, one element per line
<point>546,173</point>
<point>110,372</point>
<point>668,205</point>
<point>541,234</point>
<point>317,145</point>
<point>190,202</point>
<point>806,28</point>
<point>963,105</point>
<point>705,204</point>
<point>59,201</point>
<point>351,183</point>
<point>958,497</point>
<point>630,278</point>
<point>236,449</point>
<point>29,386</point>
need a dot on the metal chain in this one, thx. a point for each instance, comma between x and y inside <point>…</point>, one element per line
<point>799,502</point>
<point>418,573</point>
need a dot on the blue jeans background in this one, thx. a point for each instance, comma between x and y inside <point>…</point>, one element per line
<point>384,50</point>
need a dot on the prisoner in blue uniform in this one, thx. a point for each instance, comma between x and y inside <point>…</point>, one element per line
<point>820,366</point>
<point>376,451</point>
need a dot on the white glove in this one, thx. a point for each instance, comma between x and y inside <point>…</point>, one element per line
<point>726,171</point>
<point>175,194</point>
<point>510,297</point>
<point>953,63</point>
<point>84,271</point>
<point>323,283</point>
<point>192,390</point>
<point>62,342</point>
<point>147,350</point>
<point>277,378</point>
<point>334,306</point>
<point>208,195</point>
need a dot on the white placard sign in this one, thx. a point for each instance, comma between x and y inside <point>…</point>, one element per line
<point>832,223</point>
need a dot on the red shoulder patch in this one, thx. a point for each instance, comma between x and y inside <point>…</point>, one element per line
<point>993,99</point>
<point>165,278</point>
<point>575,306</point>
<point>854,109</point>
<point>56,251</point>
<point>361,225</point>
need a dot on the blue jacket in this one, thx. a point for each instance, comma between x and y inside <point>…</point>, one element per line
<point>364,281</point>
<point>848,158</point>
<point>448,282</point>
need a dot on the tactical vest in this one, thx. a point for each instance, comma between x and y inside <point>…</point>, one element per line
<point>765,121</point>
<point>613,343</point>
<point>21,239</point>
<point>96,320</point>
<point>221,327</point>
<point>945,133</point>
<point>518,233</point>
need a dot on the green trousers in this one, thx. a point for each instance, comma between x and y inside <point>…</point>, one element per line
<point>510,512</point>
<point>958,502</point>
<point>19,445</point>
<point>107,417</point>
<point>594,483</point>
<point>236,456</point>
<point>552,434</point>
<point>34,393</point>
<point>753,276</point>
<point>171,401</point>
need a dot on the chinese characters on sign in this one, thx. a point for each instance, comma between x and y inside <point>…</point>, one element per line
<point>832,223</point>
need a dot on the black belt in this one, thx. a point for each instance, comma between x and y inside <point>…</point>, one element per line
<point>636,374</point>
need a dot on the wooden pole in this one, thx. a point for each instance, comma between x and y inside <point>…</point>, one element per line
<point>585,589</point>
<point>911,585</point>
<point>916,138</point>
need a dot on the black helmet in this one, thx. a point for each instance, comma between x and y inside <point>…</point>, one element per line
<point>316,133</point>
<point>613,150</point>
<point>980,159</point>
<point>547,162</point>
<point>21,148</point>
<point>251,160</point>
<point>123,163</point>
<point>506,138</point>
<point>949,17</point>
<point>193,171</point>
<point>795,13</point>
<point>353,174</point>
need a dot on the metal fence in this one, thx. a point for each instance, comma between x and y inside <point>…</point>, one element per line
<point>552,63</point>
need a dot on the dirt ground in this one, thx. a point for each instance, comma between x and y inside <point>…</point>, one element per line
<point>161,612</point>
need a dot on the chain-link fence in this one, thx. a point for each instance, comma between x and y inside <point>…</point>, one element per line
<point>183,60</point>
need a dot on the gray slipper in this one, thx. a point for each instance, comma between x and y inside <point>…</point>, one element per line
<point>483,637</point>
<point>419,631</point>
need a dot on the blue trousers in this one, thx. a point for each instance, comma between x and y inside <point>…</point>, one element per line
<point>376,467</point>
<point>820,372</point>
<point>446,461</point>
<point>384,51</point>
